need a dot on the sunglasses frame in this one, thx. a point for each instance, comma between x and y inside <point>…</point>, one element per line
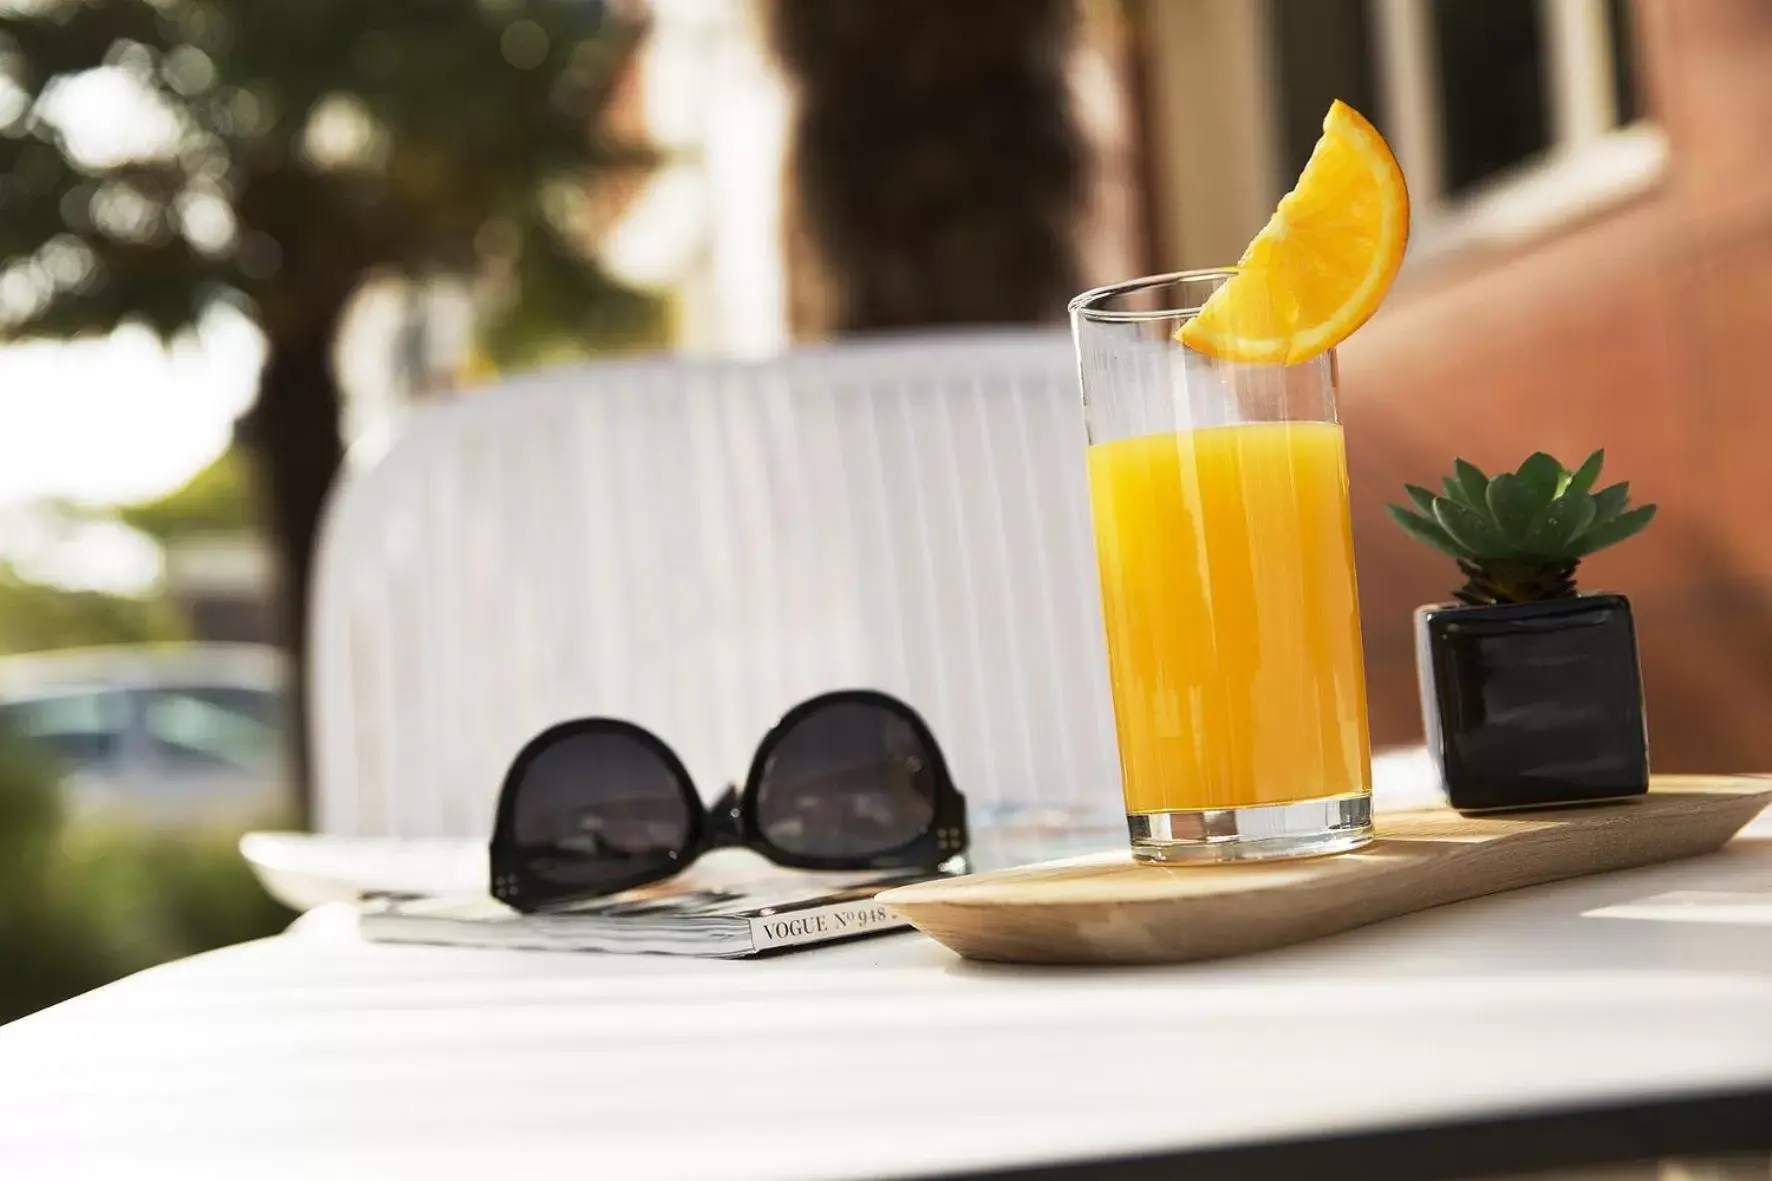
<point>731,821</point>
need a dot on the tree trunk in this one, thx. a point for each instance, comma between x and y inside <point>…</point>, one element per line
<point>939,171</point>
<point>292,433</point>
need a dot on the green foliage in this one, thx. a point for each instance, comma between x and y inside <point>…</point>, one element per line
<point>546,320</point>
<point>315,142</point>
<point>35,617</point>
<point>80,907</point>
<point>42,958</point>
<point>1519,535</point>
<point>219,499</point>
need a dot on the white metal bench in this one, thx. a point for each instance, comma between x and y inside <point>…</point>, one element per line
<point>697,547</point>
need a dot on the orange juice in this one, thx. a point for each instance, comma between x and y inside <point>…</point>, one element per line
<point>1233,634</point>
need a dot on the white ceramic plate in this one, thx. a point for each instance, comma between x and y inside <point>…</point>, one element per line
<point>306,870</point>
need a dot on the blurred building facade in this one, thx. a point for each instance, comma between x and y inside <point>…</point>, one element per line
<point>1606,291</point>
<point>1591,267</point>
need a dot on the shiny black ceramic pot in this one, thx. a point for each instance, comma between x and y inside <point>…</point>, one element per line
<point>1529,705</point>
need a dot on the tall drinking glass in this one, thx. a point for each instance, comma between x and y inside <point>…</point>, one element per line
<point>1220,500</point>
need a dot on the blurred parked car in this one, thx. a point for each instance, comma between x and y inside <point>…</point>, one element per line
<point>173,735</point>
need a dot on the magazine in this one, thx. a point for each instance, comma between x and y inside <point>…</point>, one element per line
<point>703,912</point>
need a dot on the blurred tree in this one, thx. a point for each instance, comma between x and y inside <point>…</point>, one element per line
<point>219,499</point>
<point>35,617</point>
<point>939,174</point>
<point>288,149</point>
<point>82,904</point>
<point>44,957</point>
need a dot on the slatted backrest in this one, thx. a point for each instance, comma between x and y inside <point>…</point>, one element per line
<point>699,546</point>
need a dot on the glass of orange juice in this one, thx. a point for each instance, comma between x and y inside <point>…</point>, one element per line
<point>1220,500</point>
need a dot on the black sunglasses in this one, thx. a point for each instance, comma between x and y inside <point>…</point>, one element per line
<point>847,780</point>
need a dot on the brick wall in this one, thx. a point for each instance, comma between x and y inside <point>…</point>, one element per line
<point>1647,330</point>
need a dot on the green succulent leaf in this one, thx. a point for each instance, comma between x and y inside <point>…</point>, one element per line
<point>1609,503</point>
<point>1523,532</point>
<point>1513,505</point>
<point>1425,530</point>
<point>1471,487</point>
<point>1587,474</point>
<point>1561,522</point>
<point>1472,530</point>
<point>1582,509</point>
<point>1424,500</point>
<point>1540,474</point>
<point>1616,530</point>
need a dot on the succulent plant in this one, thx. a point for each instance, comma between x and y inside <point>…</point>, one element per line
<point>1518,536</point>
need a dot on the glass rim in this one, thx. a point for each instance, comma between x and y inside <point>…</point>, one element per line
<point>1084,305</point>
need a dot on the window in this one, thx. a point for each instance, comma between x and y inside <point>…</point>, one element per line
<point>1507,115</point>
<point>194,729</point>
<point>1323,50</point>
<point>1621,34</point>
<point>1491,88</point>
<point>82,730</point>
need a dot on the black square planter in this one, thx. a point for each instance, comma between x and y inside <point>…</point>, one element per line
<point>1533,704</point>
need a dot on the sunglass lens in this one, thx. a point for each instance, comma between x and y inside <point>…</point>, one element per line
<point>598,808</point>
<point>849,779</point>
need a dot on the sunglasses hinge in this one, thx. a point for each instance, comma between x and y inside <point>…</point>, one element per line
<point>725,821</point>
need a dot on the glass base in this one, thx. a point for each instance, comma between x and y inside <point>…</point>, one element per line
<point>1209,835</point>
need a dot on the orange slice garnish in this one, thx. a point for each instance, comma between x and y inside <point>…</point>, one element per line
<point>1324,261</point>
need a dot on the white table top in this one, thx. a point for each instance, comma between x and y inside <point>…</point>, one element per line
<point>320,1056</point>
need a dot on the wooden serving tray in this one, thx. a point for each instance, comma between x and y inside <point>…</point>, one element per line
<point>1106,909</point>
